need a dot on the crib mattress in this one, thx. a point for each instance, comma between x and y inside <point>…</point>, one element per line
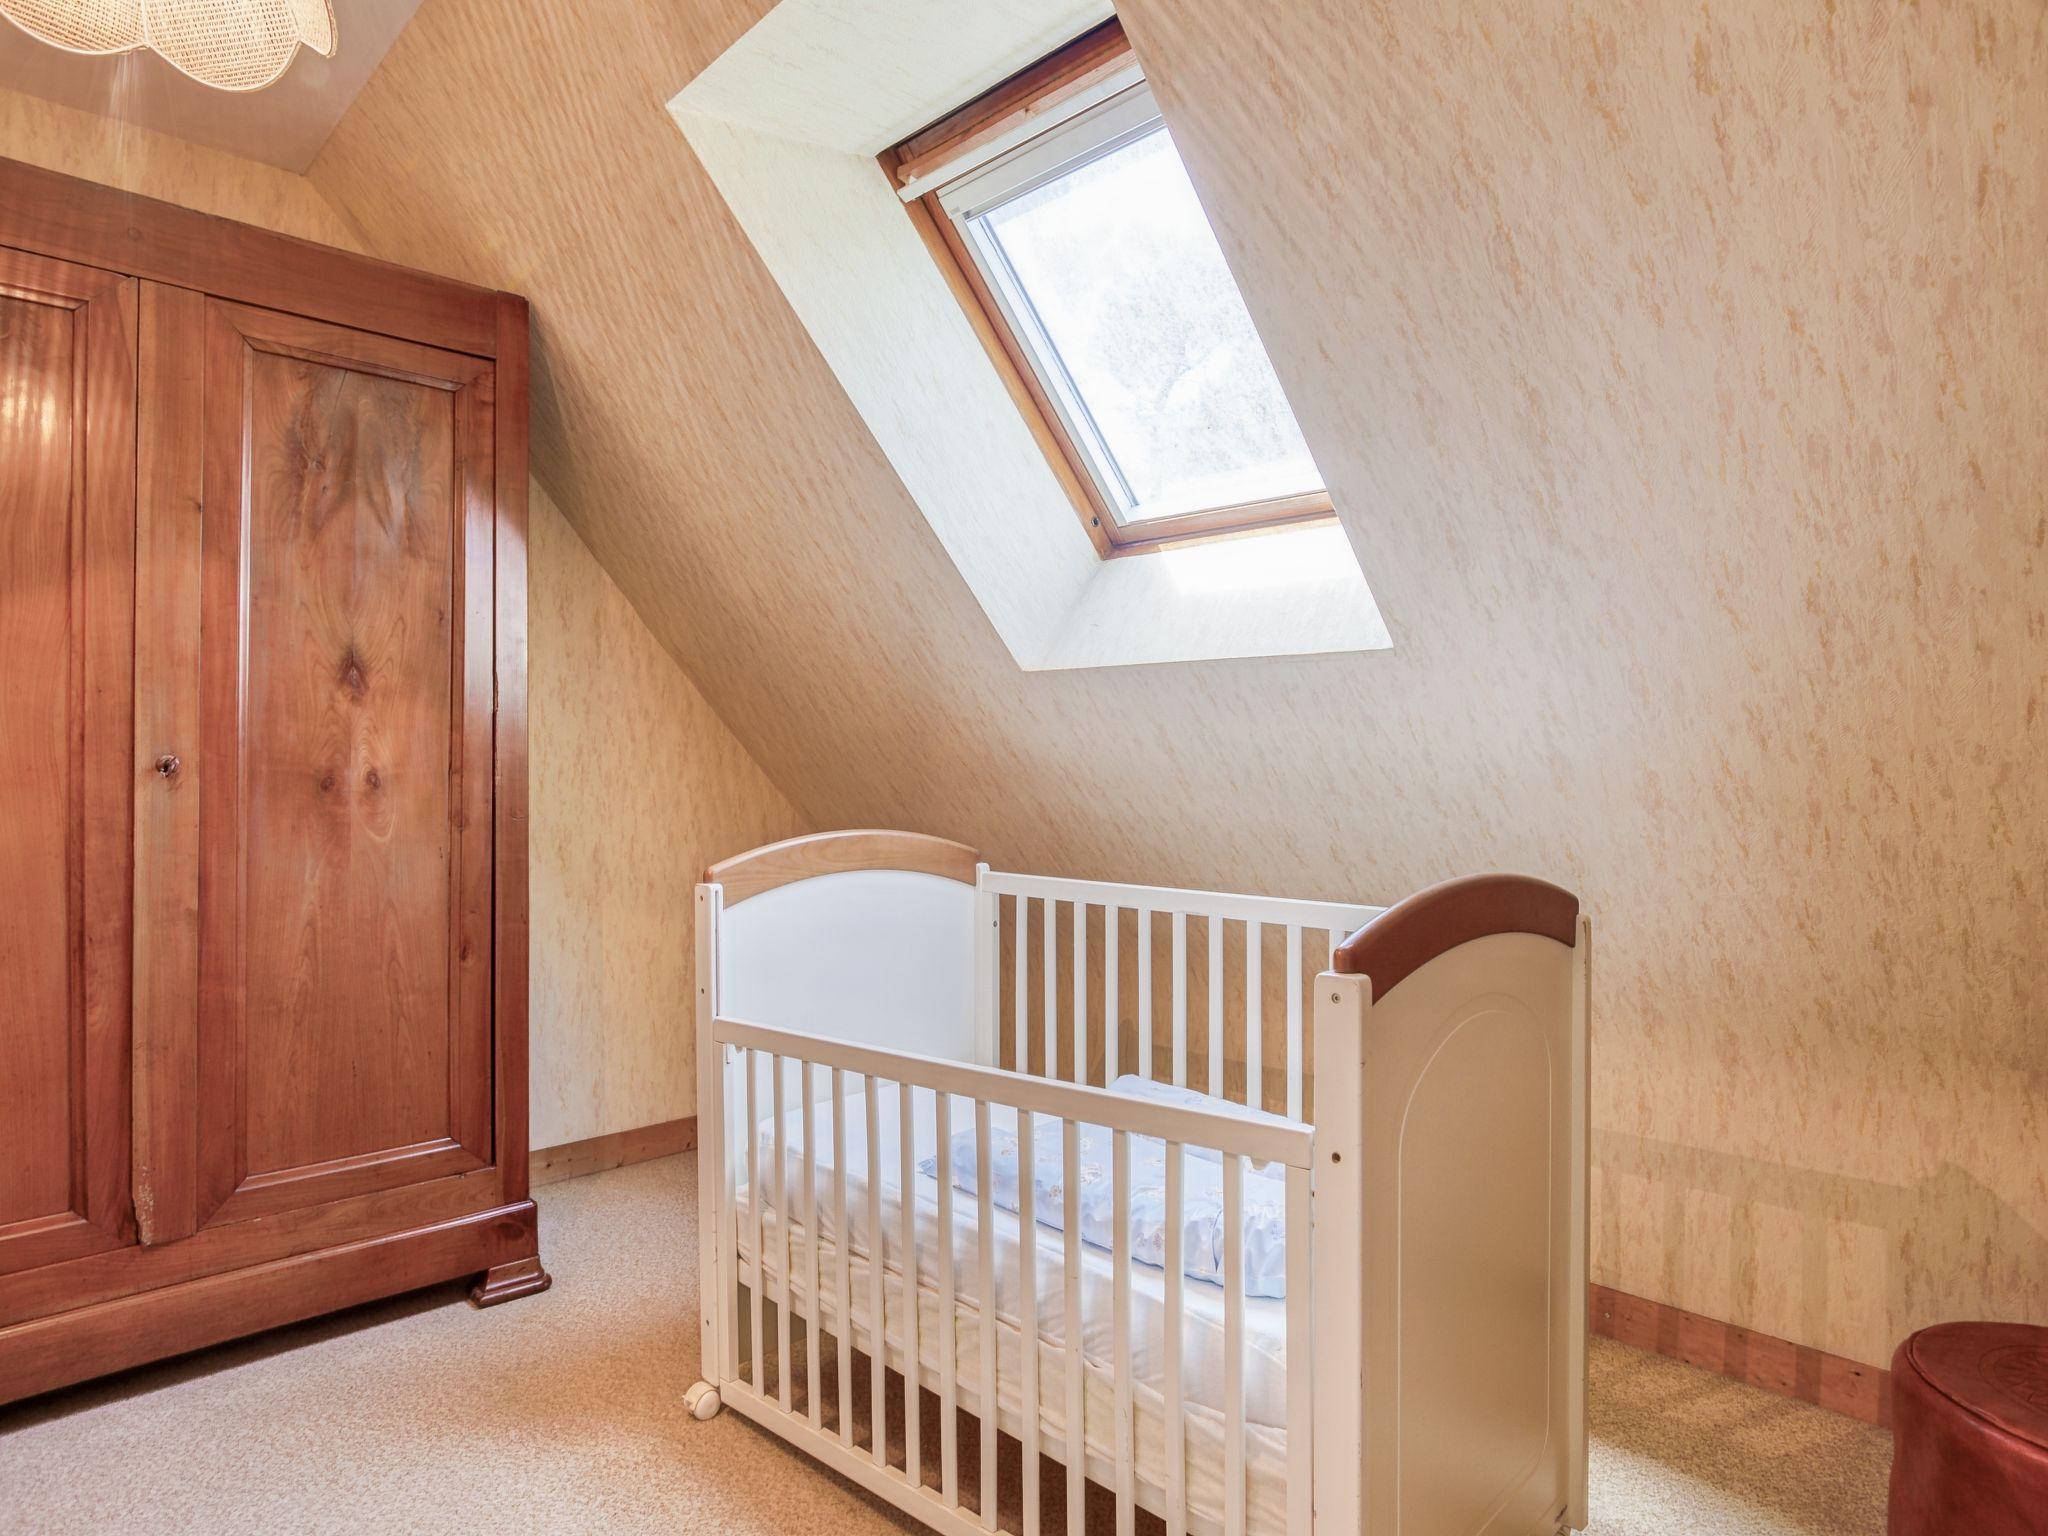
<point>1202,1372</point>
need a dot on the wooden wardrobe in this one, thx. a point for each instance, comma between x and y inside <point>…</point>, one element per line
<point>262,782</point>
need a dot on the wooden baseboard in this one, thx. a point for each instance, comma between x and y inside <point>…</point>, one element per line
<point>1776,1365</point>
<point>573,1159</point>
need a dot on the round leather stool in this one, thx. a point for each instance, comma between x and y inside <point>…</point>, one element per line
<point>1970,1431</point>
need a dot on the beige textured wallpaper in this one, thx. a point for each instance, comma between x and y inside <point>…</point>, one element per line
<point>1677,371</point>
<point>116,154</point>
<point>636,785</point>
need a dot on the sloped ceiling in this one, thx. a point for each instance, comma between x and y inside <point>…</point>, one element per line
<point>1677,373</point>
<point>283,125</point>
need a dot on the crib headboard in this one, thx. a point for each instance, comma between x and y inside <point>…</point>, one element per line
<point>868,933</point>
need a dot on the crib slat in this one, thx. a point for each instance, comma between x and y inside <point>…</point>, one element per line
<point>842,1246</point>
<point>913,1358</point>
<point>813,1386</point>
<point>984,1180</point>
<point>1051,1008</point>
<point>1145,1069</point>
<point>1233,1344</point>
<point>1176,1280</point>
<point>1080,992</point>
<point>1126,1449</point>
<point>1294,1047</point>
<point>878,1322</point>
<point>1180,999</point>
<point>1027,1273</point>
<point>1070,1248</point>
<point>1112,1022</point>
<point>1300,1380</point>
<point>1021,1030</point>
<point>757,1304</point>
<point>1254,1015</point>
<point>726,1345</point>
<point>775,1064</point>
<point>949,1329</point>
<point>1216,1007</point>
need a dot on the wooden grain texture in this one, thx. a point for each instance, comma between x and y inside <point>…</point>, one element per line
<point>1025,102</point>
<point>170,371</point>
<point>345,931</point>
<point>1776,1365</point>
<point>41,360</point>
<point>126,1271</point>
<point>1419,927</point>
<point>1674,373</point>
<point>510,1281</point>
<point>165,243</point>
<point>511,923</point>
<point>614,1149</point>
<point>67,525</point>
<point>830,853</point>
<point>55,1351</point>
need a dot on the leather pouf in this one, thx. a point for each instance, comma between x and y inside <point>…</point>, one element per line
<point>1970,1431</point>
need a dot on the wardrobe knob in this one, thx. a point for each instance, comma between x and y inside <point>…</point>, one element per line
<point>168,765</point>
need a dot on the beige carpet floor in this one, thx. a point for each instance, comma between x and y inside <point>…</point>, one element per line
<point>562,1413</point>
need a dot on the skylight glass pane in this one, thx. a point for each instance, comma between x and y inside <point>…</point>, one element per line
<point>1117,262</point>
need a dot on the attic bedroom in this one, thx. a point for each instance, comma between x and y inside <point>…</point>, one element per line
<point>965,765</point>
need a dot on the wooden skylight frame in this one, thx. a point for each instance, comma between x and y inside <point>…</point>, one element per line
<point>1030,103</point>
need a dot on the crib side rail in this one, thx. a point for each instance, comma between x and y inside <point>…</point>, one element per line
<point>1202,989</point>
<point>1213,1130</point>
<point>805,1100</point>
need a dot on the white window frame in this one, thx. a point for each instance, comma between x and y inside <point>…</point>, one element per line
<point>1120,114</point>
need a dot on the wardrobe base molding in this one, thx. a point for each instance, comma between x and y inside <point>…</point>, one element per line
<point>75,1346</point>
<point>508,1282</point>
<point>1760,1360</point>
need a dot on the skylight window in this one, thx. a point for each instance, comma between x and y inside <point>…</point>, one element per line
<point>1084,254</point>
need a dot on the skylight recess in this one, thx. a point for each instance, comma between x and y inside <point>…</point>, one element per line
<point>1106,290</point>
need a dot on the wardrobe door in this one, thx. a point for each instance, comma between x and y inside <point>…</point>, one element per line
<point>67,554</point>
<point>343,839</point>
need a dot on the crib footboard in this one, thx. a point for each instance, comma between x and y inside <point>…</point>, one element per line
<point>862,1234</point>
<point>1451,1061</point>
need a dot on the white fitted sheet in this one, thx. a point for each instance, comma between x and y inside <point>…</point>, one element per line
<point>1202,1372</point>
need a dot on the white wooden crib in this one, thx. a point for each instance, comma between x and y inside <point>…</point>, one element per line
<point>1396,1144</point>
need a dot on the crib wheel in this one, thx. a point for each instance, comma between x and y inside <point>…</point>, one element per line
<point>702,1400</point>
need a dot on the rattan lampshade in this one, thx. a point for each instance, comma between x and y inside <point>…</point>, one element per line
<point>234,45</point>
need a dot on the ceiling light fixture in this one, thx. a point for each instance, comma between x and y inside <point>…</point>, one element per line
<point>231,45</point>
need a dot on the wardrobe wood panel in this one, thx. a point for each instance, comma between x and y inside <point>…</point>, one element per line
<point>170,374</point>
<point>345,893</point>
<point>37,475</point>
<point>348,823</point>
<point>66,592</point>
